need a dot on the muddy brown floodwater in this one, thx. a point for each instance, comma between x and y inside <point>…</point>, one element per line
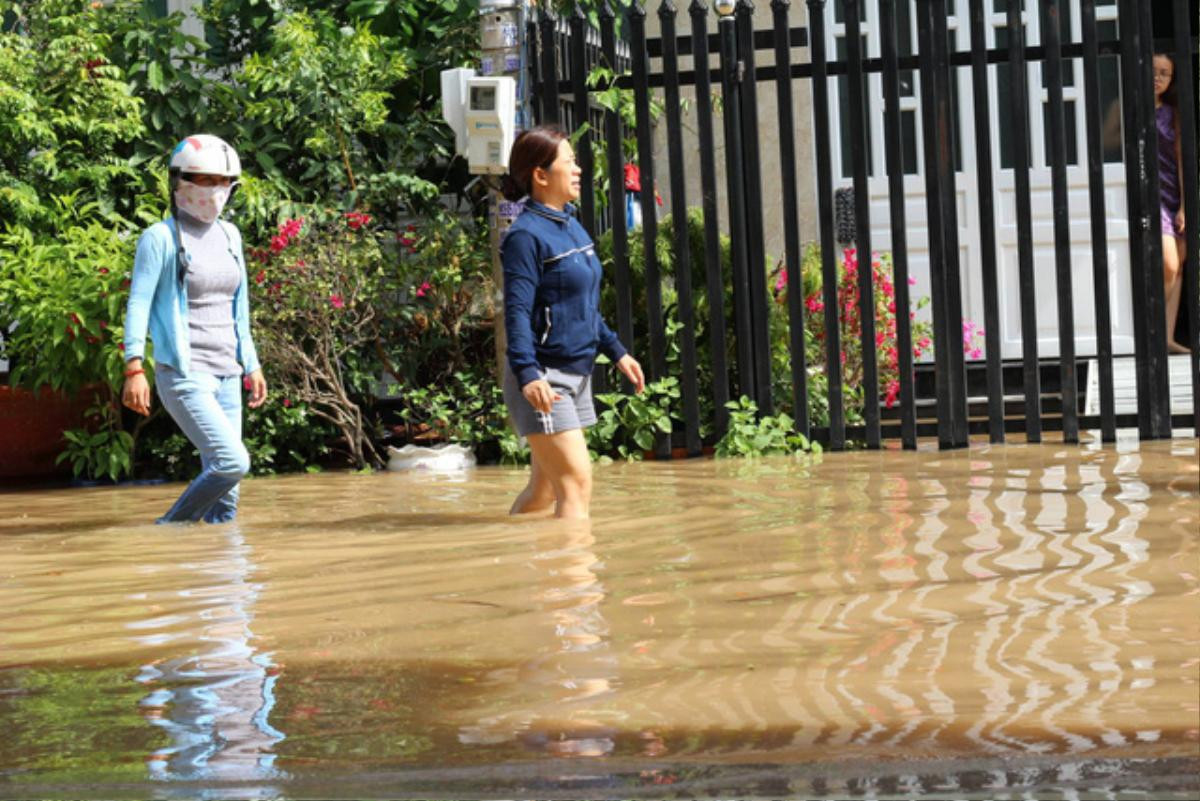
<point>1018,621</point>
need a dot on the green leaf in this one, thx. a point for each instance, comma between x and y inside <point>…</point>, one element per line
<point>154,76</point>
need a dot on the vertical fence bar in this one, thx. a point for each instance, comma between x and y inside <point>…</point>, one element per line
<point>736,180</point>
<point>1095,147</point>
<point>944,339</point>
<point>1185,89</point>
<point>679,224</point>
<point>534,66</point>
<point>829,267</point>
<point>714,279</point>
<point>645,140</point>
<point>1019,119</point>
<point>756,272</point>
<point>583,146</point>
<point>548,23</point>
<point>987,222</point>
<point>944,93</point>
<point>1052,41</point>
<point>616,187</point>
<point>1138,223</point>
<point>862,223</point>
<point>895,168</point>
<point>1156,308</point>
<point>791,222</point>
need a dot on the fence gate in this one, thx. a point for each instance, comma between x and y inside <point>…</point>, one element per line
<point>1006,156</point>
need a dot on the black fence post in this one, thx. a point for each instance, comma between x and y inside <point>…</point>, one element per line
<point>1185,90</point>
<point>534,67</point>
<point>944,339</point>
<point>1134,172</point>
<point>895,168</point>
<point>829,267</point>
<point>549,54</point>
<point>731,69</point>
<point>616,187</point>
<point>679,228</point>
<point>987,223</point>
<point>1052,41</point>
<point>714,275</point>
<point>862,223</point>
<point>791,213</point>
<point>1019,120</point>
<point>645,141</point>
<point>949,198</point>
<point>1159,398</point>
<point>583,145</point>
<point>756,257</point>
<point>1095,146</point>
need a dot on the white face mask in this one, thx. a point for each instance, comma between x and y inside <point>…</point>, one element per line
<point>205,203</point>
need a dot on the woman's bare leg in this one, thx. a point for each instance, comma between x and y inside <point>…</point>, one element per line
<point>538,495</point>
<point>565,461</point>
<point>1174,252</point>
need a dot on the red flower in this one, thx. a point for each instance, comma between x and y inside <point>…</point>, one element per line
<point>356,219</point>
<point>335,300</point>
<point>260,277</point>
<point>121,347</point>
<point>287,403</point>
<point>425,287</point>
<point>103,325</point>
<point>75,319</point>
<point>278,243</point>
<point>104,271</point>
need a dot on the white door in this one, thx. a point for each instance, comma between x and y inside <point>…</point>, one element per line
<point>966,179</point>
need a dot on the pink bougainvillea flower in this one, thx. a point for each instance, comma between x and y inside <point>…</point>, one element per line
<point>336,301</point>
<point>814,304</point>
<point>423,289</point>
<point>278,243</point>
<point>287,403</point>
<point>781,281</point>
<point>104,271</point>
<point>260,276</point>
<point>121,346</point>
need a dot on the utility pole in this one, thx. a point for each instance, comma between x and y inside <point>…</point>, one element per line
<point>502,26</point>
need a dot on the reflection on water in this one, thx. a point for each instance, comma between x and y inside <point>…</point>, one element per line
<point>214,702</point>
<point>1002,620</point>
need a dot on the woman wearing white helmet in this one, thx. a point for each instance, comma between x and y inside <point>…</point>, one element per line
<point>189,291</point>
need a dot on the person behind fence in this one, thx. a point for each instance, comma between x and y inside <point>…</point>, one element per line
<point>189,291</point>
<point>552,320</point>
<point>1170,181</point>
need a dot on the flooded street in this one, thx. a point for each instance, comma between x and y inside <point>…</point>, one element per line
<point>1003,622</point>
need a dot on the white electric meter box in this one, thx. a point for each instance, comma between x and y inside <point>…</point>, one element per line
<point>454,104</point>
<point>491,123</point>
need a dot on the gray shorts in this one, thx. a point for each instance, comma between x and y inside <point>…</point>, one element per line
<point>573,410</point>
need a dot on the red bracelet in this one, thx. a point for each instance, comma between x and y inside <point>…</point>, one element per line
<point>131,373</point>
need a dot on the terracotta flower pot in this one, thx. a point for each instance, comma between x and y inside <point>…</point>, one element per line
<point>31,431</point>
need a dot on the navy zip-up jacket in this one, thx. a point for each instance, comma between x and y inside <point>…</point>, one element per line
<point>552,295</point>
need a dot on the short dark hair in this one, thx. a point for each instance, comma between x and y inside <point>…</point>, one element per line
<point>537,147</point>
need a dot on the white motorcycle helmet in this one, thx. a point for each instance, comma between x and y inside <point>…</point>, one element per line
<point>204,154</point>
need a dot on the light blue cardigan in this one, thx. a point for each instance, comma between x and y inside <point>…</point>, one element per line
<point>158,301</point>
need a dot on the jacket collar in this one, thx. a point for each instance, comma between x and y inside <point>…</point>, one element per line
<point>555,215</point>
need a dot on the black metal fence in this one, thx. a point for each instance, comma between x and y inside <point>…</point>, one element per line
<point>565,52</point>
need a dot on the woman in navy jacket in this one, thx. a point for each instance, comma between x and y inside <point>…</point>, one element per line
<point>552,321</point>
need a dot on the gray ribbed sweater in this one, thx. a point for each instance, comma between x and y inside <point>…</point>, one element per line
<point>213,277</point>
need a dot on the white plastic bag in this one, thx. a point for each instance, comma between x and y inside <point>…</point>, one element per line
<point>445,458</point>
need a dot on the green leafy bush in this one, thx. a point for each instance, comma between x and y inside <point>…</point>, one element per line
<point>751,435</point>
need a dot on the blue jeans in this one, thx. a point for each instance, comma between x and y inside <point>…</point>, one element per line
<point>209,410</point>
